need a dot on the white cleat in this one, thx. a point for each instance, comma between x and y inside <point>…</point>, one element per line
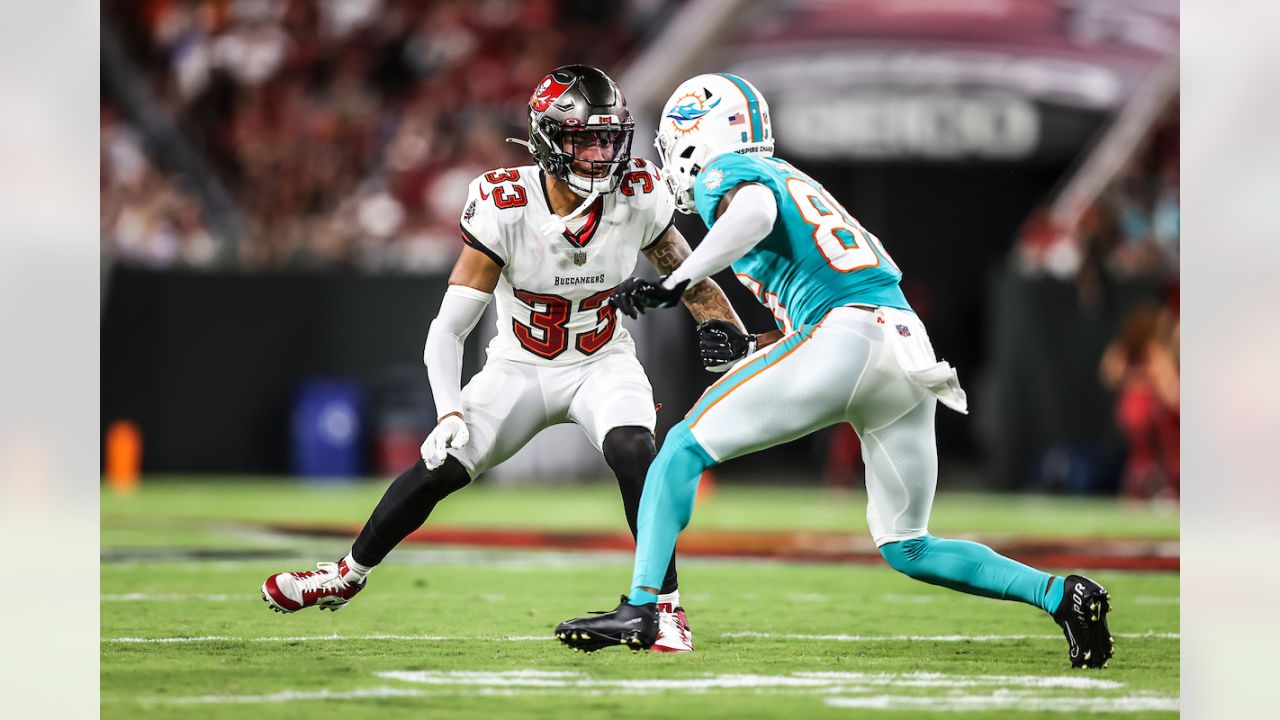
<point>330,586</point>
<point>674,634</point>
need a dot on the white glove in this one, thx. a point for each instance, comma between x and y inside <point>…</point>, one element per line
<point>451,432</point>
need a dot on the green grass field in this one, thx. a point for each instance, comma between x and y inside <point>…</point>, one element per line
<point>463,633</point>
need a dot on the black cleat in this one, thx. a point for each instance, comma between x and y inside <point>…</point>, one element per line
<point>635,626</point>
<point>1083,619</point>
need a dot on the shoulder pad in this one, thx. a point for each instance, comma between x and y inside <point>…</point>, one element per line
<point>502,192</point>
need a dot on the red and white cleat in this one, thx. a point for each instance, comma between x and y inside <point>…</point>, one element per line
<point>330,586</point>
<point>674,634</point>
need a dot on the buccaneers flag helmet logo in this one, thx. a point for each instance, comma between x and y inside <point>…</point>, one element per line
<point>549,90</point>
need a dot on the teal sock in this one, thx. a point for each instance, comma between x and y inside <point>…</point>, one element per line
<point>666,505</point>
<point>1053,596</point>
<point>974,569</point>
<point>641,597</point>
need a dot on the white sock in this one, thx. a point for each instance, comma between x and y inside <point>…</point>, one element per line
<point>672,597</point>
<point>360,571</point>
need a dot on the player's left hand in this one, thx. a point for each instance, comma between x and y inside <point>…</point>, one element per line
<point>451,432</point>
<point>635,294</point>
<point>722,344</point>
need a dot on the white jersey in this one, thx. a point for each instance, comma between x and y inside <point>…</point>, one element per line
<point>553,296</point>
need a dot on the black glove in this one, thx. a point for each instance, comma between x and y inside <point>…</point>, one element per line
<point>721,344</point>
<point>635,294</point>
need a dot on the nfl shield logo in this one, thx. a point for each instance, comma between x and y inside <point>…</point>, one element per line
<point>579,257</point>
<point>904,331</point>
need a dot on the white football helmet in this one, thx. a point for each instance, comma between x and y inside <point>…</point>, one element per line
<point>707,116</point>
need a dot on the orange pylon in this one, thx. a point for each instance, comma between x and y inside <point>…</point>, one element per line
<point>124,456</point>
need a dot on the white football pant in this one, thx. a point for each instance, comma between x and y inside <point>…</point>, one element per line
<point>507,403</point>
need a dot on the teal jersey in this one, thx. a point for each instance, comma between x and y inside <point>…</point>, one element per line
<point>817,257</point>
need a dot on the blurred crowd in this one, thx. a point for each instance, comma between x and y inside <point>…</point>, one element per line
<point>1131,230</point>
<point>1130,233</point>
<point>345,131</point>
<point>1142,367</point>
<point>148,217</point>
<point>1135,232</point>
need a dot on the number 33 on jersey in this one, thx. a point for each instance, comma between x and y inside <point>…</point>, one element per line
<point>552,296</point>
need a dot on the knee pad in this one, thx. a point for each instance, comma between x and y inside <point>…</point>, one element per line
<point>629,449</point>
<point>450,477</point>
<point>436,485</point>
<point>681,443</point>
<point>904,555</point>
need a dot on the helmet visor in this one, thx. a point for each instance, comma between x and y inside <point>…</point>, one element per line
<point>596,152</point>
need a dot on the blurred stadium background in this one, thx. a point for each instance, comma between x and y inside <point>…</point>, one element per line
<point>281,182</point>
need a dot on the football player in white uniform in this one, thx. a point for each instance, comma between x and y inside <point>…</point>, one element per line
<point>551,242</point>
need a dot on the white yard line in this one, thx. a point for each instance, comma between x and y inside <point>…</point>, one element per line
<point>850,690</point>
<point>829,680</point>
<point>999,700</point>
<point>931,638</point>
<point>328,638</point>
<point>691,597</point>
<point>930,679</point>
<point>288,696</point>
<point>173,597</point>
<point>807,597</point>
<point>534,638</point>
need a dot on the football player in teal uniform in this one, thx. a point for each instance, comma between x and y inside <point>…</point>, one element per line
<point>848,349</point>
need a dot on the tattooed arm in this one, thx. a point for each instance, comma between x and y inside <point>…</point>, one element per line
<point>706,301</point>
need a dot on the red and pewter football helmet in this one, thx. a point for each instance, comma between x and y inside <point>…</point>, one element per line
<point>580,129</point>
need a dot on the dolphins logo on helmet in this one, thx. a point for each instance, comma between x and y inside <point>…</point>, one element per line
<point>689,112</point>
<point>706,116</point>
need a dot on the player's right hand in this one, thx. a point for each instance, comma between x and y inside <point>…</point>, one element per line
<point>635,294</point>
<point>722,344</point>
<point>450,432</point>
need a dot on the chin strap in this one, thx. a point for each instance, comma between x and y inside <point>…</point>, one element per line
<point>556,225</point>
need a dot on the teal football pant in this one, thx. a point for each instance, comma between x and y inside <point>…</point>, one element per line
<point>841,370</point>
